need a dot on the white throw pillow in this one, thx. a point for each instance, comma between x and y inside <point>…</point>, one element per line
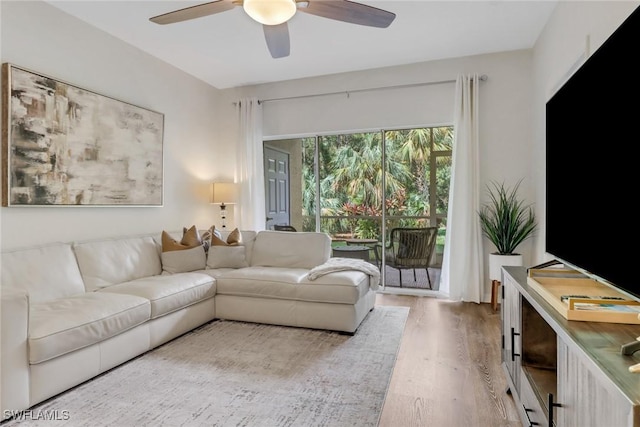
<point>227,257</point>
<point>184,260</point>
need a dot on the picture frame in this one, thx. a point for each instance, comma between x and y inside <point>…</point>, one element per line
<point>63,145</point>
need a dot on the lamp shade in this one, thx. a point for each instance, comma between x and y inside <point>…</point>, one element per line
<point>224,193</point>
<point>270,12</point>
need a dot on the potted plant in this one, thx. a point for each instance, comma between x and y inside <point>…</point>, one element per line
<point>506,221</point>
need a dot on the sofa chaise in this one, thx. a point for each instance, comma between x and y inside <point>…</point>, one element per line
<point>70,311</point>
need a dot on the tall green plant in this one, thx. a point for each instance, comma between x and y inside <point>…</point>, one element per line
<point>506,220</point>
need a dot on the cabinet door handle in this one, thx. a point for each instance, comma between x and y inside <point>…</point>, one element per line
<point>513,345</point>
<point>526,412</point>
<point>551,404</point>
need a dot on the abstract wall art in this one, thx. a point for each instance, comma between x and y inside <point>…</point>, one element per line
<point>67,146</point>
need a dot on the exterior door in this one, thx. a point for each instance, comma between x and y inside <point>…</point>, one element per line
<point>277,192</point>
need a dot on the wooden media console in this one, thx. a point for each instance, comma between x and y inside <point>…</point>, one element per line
<point>564,372</point>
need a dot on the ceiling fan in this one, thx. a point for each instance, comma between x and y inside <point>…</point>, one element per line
<point>274,14</point>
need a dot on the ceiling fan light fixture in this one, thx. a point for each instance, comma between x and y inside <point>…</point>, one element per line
<point>270,12</point>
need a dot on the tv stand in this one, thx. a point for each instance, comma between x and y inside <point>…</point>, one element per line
<point>563,372</point>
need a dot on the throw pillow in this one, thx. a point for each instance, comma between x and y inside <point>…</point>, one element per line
<point>227,256</point>
<point>212,231</point>
<point>170,244</point>
<point>181,261</point>
<point>191,237</point>
<point>216,241</point>
<point>234,238</point>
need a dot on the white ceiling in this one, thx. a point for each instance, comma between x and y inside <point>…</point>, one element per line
<point>228,49</point>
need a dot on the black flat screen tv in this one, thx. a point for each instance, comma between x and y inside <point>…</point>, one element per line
<point>592,165</point>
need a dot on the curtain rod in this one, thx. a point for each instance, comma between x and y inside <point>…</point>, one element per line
<point>349,92</point>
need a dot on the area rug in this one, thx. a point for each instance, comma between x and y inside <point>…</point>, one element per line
<point>228,373</point>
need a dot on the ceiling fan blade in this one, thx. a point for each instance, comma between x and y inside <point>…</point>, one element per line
<point>348,11</point>
<point>277,37</point>
<point>193,12</point>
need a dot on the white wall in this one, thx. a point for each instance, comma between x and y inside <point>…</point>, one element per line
<point>575,30</point>
<point>39,37</point>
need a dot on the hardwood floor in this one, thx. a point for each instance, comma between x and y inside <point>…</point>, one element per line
<point>448,371</point>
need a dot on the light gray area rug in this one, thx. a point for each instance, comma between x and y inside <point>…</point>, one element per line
<point>230,373</point>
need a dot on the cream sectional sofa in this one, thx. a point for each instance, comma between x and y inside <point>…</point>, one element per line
<point>71,311</point>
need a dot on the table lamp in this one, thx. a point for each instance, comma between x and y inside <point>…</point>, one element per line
<point>223,194</point>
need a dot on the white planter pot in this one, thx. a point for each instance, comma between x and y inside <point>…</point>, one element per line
<point>496,262</point>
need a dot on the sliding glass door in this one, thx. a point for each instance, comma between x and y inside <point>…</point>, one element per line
<point>418,165</point>
<point>357,187</point>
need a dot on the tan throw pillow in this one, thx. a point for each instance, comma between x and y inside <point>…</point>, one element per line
<point>170,244</point>
<point>234,238</point>
<point>216,241</point>
<point>191,237</point>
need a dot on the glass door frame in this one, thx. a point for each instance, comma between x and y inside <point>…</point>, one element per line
<point>434,217</point>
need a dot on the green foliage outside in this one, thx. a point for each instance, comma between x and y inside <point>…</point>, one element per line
<point>351,175</point>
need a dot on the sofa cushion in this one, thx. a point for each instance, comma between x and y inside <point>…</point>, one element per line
<point>184,260</point>
<point>345,287</point>
<point>107,262</point>
<point>227,257</point>
<point>247,237</point>
<point>66,324</point>
<point>287,249</point>
<point>339,286</point>
<point>168,293</point>
<point>215,273</point>
<point>45,272</point>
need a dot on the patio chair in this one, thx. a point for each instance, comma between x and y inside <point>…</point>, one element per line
<point>284,228</point>
<point>411,248</point>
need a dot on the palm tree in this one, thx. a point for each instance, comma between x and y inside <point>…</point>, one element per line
<point>351,172</point>
<point>358,170</point>
<point>415,147</point>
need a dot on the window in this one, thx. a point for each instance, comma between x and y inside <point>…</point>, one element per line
<point>342,178</point>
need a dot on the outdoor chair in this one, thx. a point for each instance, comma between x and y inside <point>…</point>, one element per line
<point>284,228</point>
<point>411,248</point>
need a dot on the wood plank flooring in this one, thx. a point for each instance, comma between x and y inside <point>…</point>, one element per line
<point>448,371</point>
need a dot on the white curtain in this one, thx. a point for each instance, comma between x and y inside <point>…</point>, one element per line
<point>462,265</point>
<point>250,210</point>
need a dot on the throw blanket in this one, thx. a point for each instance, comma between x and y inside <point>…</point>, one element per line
<point>346,264</point>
